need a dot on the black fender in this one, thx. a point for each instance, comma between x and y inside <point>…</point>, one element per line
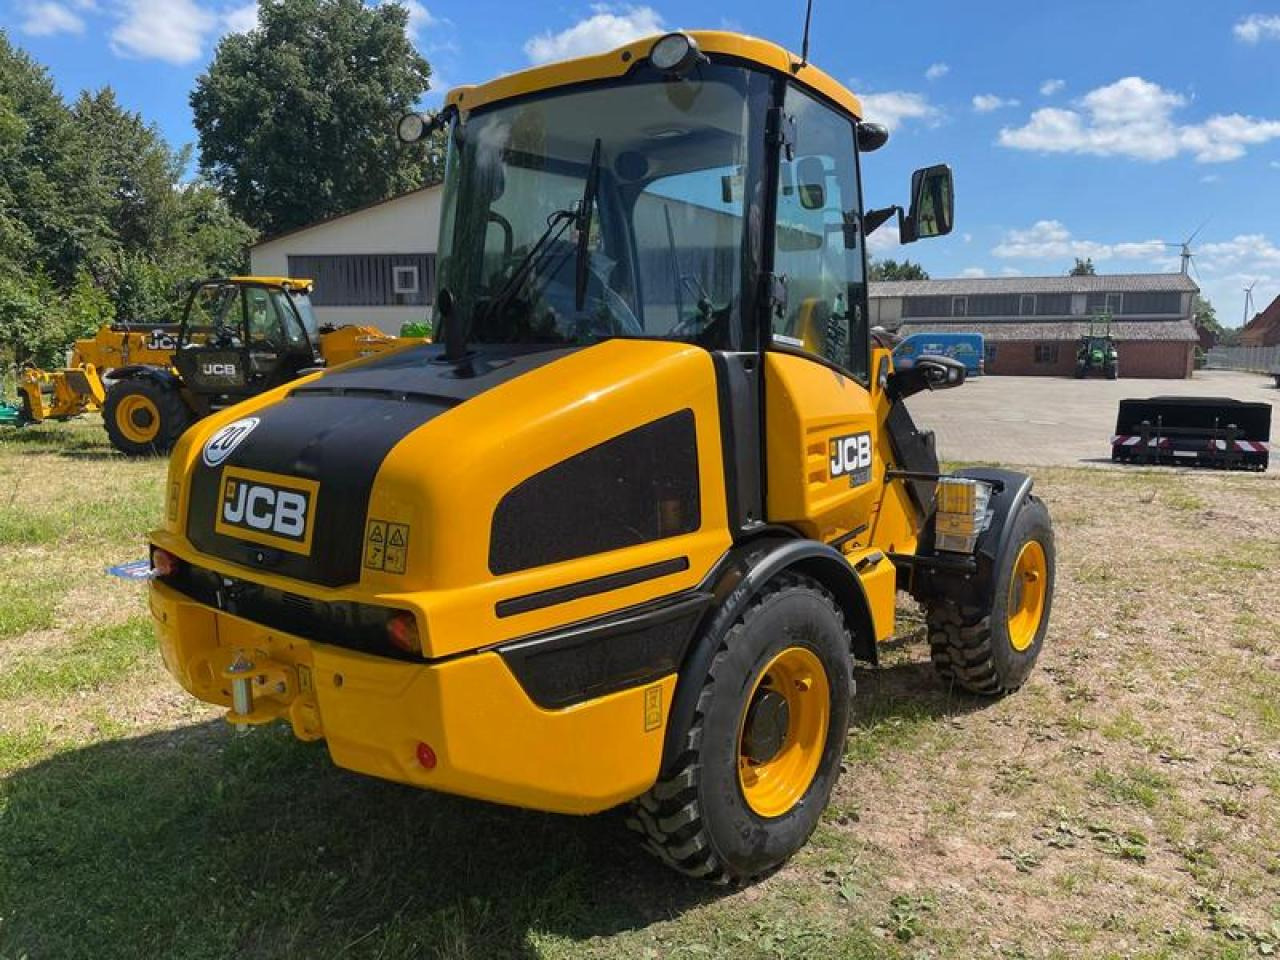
<point>1010,493</point>
<point>141,371</point>
<point>741,574</point>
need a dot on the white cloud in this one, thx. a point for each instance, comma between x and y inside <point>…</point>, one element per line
<point>49,19</point>
<point>1051,86</point>
<point>606,28</point>
<point>170,30</point>
<point>937,71</point>
<point>1010,272</point>
<point>973,272</point>
<point>1244,251</point>
<point>1210,178</point>
<point>896,106</point>
<point>241,19</point>
<point>967,237</point>
<point>1258,26</point>
<point>1133,118</point>
<point>1275,164</point>
<point>987,102</point>
<point>886,238</point>
<point>1051,240</point>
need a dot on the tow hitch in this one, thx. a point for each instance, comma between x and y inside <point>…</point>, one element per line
<point>262,689</point>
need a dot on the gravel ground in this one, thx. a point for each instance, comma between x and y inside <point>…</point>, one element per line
<point>1056,421</point>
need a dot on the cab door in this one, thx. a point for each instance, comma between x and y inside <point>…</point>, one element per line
<point>822,463</point>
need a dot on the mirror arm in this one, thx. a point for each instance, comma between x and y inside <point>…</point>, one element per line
<point>906,228</point>
<point>873,220</point>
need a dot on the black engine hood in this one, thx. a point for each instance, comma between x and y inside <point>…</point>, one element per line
<point>337,430</point>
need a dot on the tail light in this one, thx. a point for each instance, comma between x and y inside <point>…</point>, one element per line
<point>164,563</point>
<point>402,631</point>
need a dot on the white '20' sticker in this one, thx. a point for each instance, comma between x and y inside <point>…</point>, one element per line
<point>226,440</point>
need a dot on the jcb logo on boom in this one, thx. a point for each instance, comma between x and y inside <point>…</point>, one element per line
<point>267,509</point>
<point>851,455</point>
<point>218,369</point>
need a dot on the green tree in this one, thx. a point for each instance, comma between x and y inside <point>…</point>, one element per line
<point>296,118</point>
<point>888,269</point>
<point>1083,268</point>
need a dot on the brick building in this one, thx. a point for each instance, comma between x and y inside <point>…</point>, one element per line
<point>1031,325</point>
<point>1264,329</point>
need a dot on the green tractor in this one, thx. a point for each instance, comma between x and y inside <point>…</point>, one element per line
<point>1097,350</point>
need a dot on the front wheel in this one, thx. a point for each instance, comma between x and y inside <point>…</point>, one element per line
<point>992,652</point>
<point>143,417</point>
<point>763,753</point>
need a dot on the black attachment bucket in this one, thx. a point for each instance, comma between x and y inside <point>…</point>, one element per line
<point>1193,431</point>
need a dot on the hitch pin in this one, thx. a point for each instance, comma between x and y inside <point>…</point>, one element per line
<point>241,687</point>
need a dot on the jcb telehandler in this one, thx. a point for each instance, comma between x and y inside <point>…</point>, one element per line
<point>620,537</point>
<point>238,337</point>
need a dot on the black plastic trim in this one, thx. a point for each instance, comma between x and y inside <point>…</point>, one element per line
<point>601,656</point>
<point>738,386</point>
<point>588,588</point>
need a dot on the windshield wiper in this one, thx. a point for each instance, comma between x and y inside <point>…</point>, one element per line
<point>585,211</point>
<point>557,223</point>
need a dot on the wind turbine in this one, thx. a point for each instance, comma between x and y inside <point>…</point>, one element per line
<point>1248,302</point>
<point>1185,247</point>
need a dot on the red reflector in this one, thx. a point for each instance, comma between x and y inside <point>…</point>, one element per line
<point>402,631</point>
<point>426,756</point>
<point>164,563</point>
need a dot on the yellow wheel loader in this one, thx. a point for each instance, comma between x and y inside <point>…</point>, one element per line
<point>238,337</point>
<point>619,538</point>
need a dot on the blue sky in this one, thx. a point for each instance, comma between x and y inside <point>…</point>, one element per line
<point>1087,128</point>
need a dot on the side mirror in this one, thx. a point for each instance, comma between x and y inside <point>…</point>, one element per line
<point>811,183</point>
<point>926,373</point>
<point>932,211</point>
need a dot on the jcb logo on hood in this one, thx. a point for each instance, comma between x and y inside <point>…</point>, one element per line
<point>266,508</point>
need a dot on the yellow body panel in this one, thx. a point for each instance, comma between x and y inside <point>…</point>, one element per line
<point>617,62</point>
<point>351,343</point>
<point>807,406</point>
<point>491,741</point>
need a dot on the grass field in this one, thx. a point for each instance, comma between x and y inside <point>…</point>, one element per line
<point>1126,803</point>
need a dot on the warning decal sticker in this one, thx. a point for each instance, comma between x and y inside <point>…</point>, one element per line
<point>386,546</point>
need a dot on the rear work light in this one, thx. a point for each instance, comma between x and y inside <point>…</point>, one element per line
<point>964,512</point>
<point>164,563</point>
<point>402,631</point>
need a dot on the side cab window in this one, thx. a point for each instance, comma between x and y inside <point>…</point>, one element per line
<point>817,245</point>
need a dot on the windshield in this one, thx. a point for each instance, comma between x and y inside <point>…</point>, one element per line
<point>663,255</point>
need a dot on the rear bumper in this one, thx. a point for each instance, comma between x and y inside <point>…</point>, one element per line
<point>490,739</point>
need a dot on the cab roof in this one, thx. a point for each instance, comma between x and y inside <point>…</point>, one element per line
<point>617,62</point>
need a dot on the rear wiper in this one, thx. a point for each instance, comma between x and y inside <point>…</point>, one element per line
<point>585,210</point>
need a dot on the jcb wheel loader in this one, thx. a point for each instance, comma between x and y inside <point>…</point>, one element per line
<point>620,536</point>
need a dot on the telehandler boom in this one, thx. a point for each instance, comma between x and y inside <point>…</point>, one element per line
<point>621,535</point>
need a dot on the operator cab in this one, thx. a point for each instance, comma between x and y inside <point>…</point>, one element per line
<point>241,336</point>
<point>701,199</point>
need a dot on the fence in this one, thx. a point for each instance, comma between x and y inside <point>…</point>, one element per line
<point>1252,359</point>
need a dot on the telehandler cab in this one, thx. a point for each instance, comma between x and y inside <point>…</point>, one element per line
<point>621,536</point>
<point>238,337</point>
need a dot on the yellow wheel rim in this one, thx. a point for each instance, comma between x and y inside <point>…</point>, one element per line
<point>783,731</point>
<point>138,418</point>
<point>1027,590</point>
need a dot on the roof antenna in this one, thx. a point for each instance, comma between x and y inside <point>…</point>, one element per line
<point>804,45</point>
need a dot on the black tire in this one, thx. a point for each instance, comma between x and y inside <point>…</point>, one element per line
<point>1113,372</point>
<point>172,417</point>
<point>971,647</point>
<point>697,820</point>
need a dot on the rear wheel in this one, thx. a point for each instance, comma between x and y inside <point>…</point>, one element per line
<point>763,752</point>
<point>991,652</point>
<point>143,417</point>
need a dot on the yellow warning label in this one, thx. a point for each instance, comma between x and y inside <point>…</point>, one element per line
<point>652,708</point>
<point>386,546</point>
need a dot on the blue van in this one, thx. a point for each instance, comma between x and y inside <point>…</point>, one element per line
<point>966,347</point>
